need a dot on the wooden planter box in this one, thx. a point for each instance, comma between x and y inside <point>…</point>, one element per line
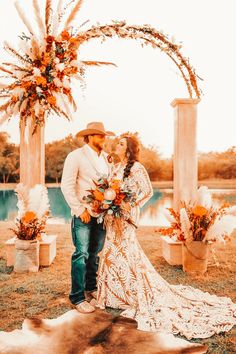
<point>171,250</point>
<point>47,251</point>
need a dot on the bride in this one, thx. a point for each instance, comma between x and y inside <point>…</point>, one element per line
<point>128,281</point>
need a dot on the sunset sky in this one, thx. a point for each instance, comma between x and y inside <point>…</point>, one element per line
<point>136,95</point>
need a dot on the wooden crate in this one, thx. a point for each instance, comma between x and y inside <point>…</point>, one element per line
<point>47,250</point>
<point>171,250</point>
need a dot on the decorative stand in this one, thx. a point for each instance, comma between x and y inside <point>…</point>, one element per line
<point>171,250</point>
<point>47,251</point>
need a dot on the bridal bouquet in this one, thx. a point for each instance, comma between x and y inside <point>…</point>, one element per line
<point>111,200</point>
<point>33,211</point>
<point>201,221</point>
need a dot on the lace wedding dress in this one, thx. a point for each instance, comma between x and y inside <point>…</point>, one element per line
<point>128,281</point>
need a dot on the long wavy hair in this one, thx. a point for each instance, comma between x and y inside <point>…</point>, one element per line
<point>132,152</point>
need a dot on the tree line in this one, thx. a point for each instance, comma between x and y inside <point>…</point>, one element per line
<point>210,165</point>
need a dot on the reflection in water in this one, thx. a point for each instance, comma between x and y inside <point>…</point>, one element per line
<point>8,207</point>
<point>153,213</point>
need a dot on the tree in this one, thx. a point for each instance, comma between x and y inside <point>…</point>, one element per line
<point>9,160</point>
<point>56,153</point>
<point>218,165</point>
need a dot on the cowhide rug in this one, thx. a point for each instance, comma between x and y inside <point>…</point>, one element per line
<point>96,333</point>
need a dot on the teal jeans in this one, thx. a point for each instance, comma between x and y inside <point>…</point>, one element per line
<point>88,240</point>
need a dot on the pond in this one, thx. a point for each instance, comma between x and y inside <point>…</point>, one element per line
<point>151,214</point>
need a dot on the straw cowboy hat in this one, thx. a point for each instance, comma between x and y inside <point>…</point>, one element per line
<point>94,128</point>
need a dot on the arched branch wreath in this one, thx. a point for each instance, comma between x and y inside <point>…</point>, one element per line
<point>40,78</point>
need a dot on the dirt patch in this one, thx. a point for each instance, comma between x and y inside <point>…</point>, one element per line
<point>45,294</point>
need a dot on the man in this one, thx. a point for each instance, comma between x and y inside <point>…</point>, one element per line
<point>83,166</point>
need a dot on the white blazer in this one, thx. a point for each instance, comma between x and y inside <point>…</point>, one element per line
<point>82,166</point>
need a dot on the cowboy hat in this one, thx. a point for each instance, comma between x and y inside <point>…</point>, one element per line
<point>94,128</point>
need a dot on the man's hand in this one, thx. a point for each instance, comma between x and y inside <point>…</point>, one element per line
<point>85,216</point>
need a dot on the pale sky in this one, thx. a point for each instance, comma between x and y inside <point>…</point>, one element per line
<point>136,95</point>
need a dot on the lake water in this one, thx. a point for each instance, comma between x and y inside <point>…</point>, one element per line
<point>151,214</point>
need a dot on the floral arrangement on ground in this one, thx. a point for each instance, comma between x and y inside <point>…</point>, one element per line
<point>33,211</point>
<point>201,221</point>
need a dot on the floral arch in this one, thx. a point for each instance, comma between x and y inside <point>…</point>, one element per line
<point>39,80</point>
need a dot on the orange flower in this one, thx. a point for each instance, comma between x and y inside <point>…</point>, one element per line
<point>119,199</point>
<point>65,35</point>
<point>199,210</point>
<point>96,206</point>
<point>47,59</point>
<point>28,217</point>
<point>98,195</point>
<point>115,184</point>
<point>26,84</point>
<point>71,70</point>
<point>74,40</point>
<point>40,80</point>
<point>50,39</point>
<point>52,100</point>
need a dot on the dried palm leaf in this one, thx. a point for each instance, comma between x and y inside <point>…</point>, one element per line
<point>59,111</point>
<point>23,105</point>
<point>16,67</point>
<point>23,198</point>
<point>4,96</point>
<point>4,106</point>
<point>38,200</point>
<point>35,48</point>
<point>72,101</point>
<point>12,86</point>
<point>15,54</point>
<point>222,227</point>
<point>4,118</point>
<point>62,104</point>
<point>38,17</point>
<point>5,70</point>
<point>97,63</point>
<point>48,16</point>
<point>57,18</point>
<point>23,18</point>
<point>185,224</point>
<point>66,106</point>
<point>73,13</point>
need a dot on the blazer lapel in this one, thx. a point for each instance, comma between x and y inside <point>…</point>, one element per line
<point>94,163</point>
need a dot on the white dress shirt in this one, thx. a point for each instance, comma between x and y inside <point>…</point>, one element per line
<point>82,166</point>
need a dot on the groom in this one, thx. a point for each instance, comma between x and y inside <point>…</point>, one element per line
<point>83,166</point>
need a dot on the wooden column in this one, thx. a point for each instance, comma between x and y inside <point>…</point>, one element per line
<point>185,150</point>
<point>32,155</point>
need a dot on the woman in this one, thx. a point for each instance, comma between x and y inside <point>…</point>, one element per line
<point>128,281</point>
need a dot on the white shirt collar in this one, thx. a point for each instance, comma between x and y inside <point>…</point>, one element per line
<point>93,152</point>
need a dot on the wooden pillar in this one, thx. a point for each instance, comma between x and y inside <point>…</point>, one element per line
<point>185,150</point>
<point>32,155</point>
